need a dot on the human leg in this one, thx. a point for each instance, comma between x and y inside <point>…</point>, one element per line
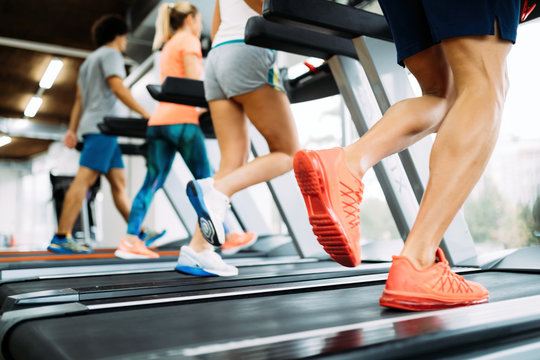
<point>269,111</point>
<point>159,160</point>
<point>160,157</point>
<point>333,207</point>
<point>464,143</point>
<point>465,139</point>
<point>74,198</point>
<point>62,242</point>
<point>230,126</point>
<point>409,120</point>
<point>117,180</point>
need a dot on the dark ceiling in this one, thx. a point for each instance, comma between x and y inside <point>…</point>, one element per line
<point>58,22</point>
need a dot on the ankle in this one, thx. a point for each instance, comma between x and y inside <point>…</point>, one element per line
<point>354,161</point>
<point>131,239</point>
<point>199,248</point>
<point>222,188</point>
<point>421,260</point>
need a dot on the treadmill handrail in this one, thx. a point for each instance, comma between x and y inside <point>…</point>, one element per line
<point>328,17</point>
<point>179,91</point>
<point>264,33</point>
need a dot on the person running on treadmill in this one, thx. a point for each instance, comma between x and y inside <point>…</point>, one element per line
<point>172,127</point>
<point>457,51</point>
<point>240,82</point>
<point>99,87</point>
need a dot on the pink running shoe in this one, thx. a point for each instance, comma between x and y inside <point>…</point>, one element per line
<point>135,251</point>
<point>332,195</point>
<point>237,241</point>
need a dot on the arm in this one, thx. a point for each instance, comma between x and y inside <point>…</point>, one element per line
<point>124,94</point>
<point>256,5</point>
<point>70,139</point>
<point>216,21</point>
<point>190,66</point>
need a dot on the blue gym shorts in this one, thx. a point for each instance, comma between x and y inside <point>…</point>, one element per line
<point>101,153</point>
<point>419,24</point>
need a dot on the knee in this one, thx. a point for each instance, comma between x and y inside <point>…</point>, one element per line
<point>486,85</point>
<point>229,163</point>
<point>287,146</point>
<point>118,187</point>
<point>83,182</point>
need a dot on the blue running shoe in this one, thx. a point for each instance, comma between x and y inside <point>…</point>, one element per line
<point>149,236</point>
<point>67,245</point>
<point>206,263</point>
<point>211,206</point>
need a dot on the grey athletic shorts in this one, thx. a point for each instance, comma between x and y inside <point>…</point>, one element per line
<point>236,68</point>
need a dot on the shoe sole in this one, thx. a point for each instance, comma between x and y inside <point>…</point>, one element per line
<point>329,231</point>
<point>127,255</point>
<point>191,270</point>
<point>67,252</point>
<point>420,303</point>
<point>239,248</point>
<point>206,225</point>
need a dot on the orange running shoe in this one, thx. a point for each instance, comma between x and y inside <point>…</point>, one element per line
<point>234,242</point>
<point>135,251</point>
<point>332,195</point>
<point>436,287</point>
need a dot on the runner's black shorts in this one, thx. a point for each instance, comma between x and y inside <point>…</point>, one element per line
<point>419,24</point>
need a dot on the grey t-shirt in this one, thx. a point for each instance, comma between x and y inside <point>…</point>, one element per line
<point>98,99</point>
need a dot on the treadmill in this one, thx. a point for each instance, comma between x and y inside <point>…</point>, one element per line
<point>340,319</point>
<point>44,265</point>
<point>61,289</point>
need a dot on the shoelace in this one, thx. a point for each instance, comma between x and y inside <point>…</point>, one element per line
<point>351,204</point>
<point>452,281</point>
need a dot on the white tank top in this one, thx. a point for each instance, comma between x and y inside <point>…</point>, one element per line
<point>234,16</point>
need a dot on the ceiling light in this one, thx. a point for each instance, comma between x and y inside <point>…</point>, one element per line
<point>4,140</point>
<point>51,73</point>
<point>33,106</point>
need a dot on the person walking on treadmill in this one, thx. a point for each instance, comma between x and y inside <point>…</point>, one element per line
<point>99,87</point>
<point>240,82</point>
<point>172,127</point>
<point>457,51</point>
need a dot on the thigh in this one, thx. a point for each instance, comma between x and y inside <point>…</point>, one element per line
<point>231,128</point>
<point>117,179</point>
<point>430,67</point>
<point>161,151</point>
<point>269,111</point>
<point>478,60</point>
<point>190,145</point>
<point>86,176</point>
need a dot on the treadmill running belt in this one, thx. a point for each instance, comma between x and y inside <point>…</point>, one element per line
<point>152,331</point>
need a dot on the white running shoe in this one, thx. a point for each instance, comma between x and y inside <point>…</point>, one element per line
<point>206,263</point>
<point>211,206</point>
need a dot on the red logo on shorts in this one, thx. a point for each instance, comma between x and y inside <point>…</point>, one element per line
<point>527,10</point>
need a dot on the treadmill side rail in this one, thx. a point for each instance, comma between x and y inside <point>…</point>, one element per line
<point>40,297</point>
<point>12,318</point>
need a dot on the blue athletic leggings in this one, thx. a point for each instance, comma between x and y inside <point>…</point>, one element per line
<point>163,143</point>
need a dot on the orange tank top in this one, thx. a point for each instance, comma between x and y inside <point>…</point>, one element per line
<point>172,64</point>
